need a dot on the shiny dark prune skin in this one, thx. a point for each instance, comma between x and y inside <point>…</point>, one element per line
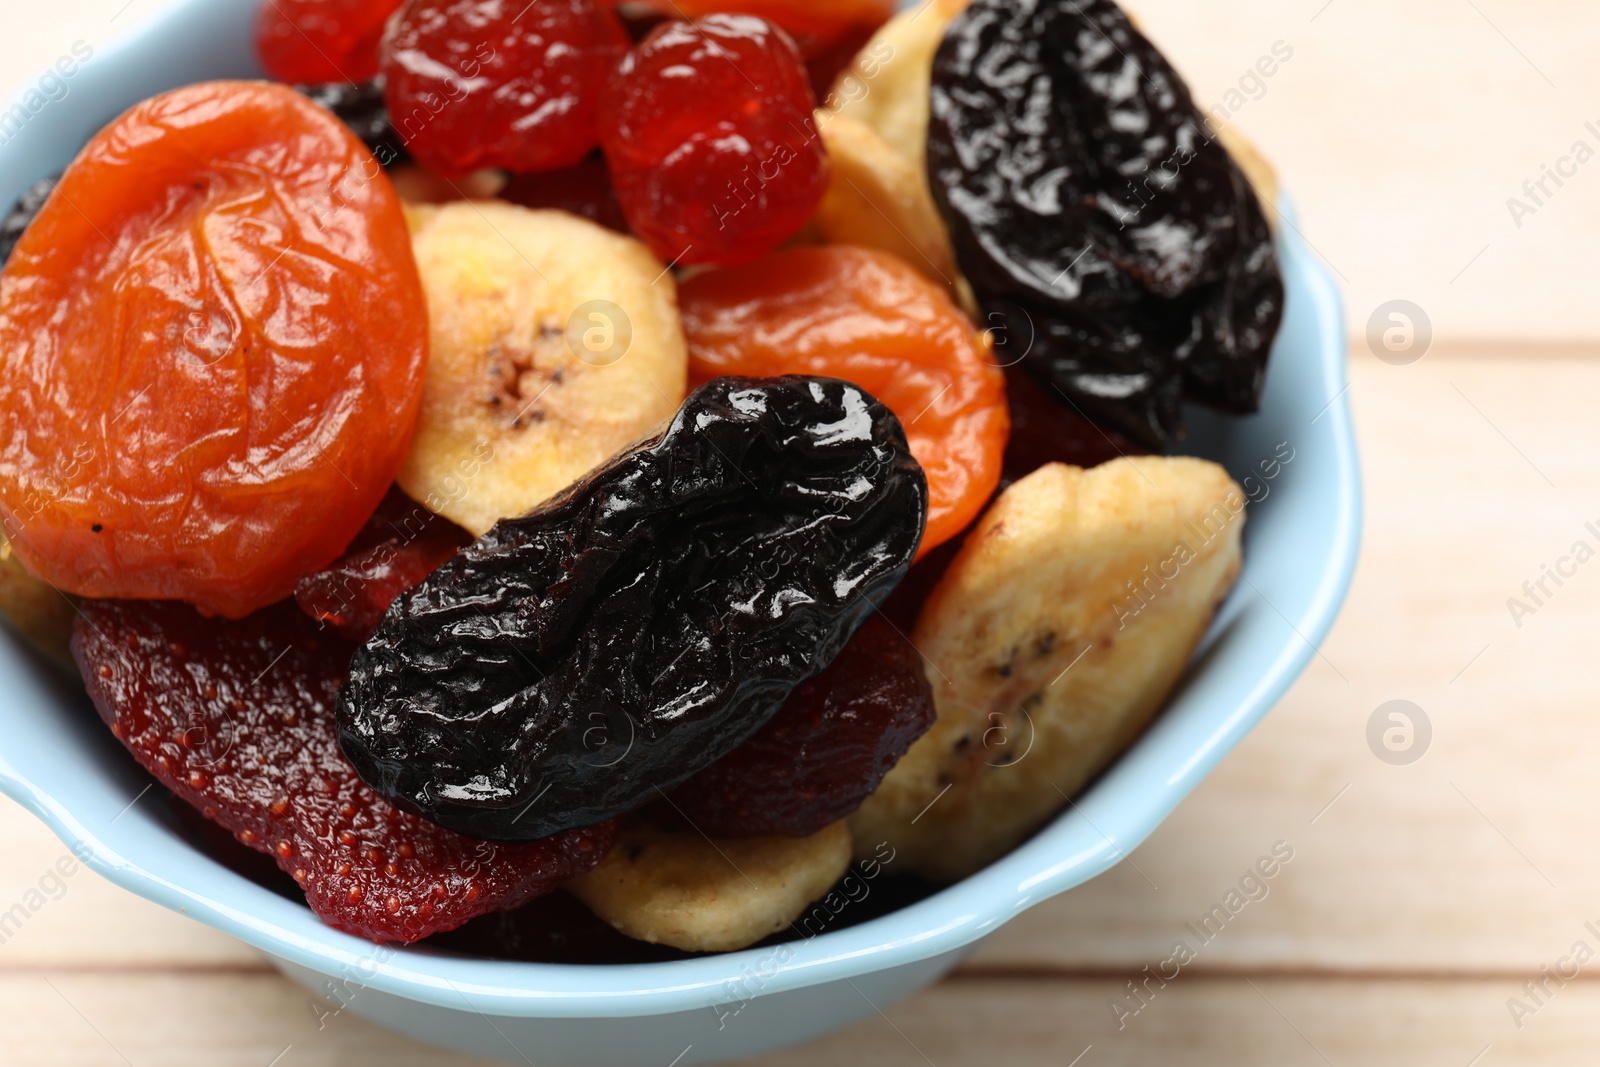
<point>583,659</point>
<point>362,108</point>
<point>1094,211</point>
<point>21,214</point>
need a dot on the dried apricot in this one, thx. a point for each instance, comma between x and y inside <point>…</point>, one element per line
<point>868,318</point>
<point>212,347</point>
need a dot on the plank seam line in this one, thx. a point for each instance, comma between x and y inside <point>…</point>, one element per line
<point>980,973</point>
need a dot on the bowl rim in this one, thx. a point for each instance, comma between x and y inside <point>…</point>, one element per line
<point>947,921</point>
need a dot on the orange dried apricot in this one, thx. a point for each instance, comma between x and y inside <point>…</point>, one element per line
<point>212,346</point>
<point>869,318</point>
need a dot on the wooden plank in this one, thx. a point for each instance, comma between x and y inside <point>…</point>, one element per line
<point>1204,1022</point>
<point>62,1019</point>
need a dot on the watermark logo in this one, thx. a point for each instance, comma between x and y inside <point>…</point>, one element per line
<point>1399,732</point>
<point>1399,332</point>
<point>599,333</point>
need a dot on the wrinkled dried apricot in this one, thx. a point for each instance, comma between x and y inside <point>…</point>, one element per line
<point>212,348</point>
<point>869,318</point>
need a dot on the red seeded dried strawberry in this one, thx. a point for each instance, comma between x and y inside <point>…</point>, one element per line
<point>825,751</point>
<point>236,718</point>
<point>402,544</point>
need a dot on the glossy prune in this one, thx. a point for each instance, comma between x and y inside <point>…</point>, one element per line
<point>1094,212</point>
<point>1046,428</point>
<point>827,749</point>
<point>868,317</point>
<point>236,718</point>
<point>22,213</point>
<point>362,108</point>
<point>576,662</point>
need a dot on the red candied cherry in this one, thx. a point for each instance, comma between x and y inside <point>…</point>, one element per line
<point>708,132</point>
<point>302,41</point>
<point>486,83</point>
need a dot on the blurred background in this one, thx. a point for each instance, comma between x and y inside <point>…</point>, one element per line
<point>1441,153</point>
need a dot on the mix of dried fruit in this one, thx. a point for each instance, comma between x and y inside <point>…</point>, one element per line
<point>476,466</point>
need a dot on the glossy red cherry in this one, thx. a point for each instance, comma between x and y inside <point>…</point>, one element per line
<point>708,132</point>
<point>301,41</point>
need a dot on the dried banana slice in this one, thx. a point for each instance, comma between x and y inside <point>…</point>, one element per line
<point>1057,633</point>
<point>38,610</point>
<point>877,199</point>
<point>704,894</point>
<point>554,344</point>
<point>888,87</point>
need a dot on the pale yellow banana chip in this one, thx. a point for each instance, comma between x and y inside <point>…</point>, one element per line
<point>876,199</point>
<point>1056,635</point>
<point>888,87</point>
<point>703,894</point>
<point>554,344</point>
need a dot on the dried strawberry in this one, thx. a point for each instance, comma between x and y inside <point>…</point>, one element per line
<point>236,718</point>
<point>402,544</point>
<point>1045,429</point>
<point>825,751</point>
<point>583,189</point>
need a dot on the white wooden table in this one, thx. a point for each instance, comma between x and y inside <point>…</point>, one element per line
<point>1420,898</point>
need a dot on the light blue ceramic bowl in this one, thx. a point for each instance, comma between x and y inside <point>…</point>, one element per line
<point>58,759</point>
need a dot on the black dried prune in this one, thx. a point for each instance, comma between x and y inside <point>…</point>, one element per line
<point>1093,210</point>
<point>22,213</point>
<point>362,108</point>
<point>579,661</point>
